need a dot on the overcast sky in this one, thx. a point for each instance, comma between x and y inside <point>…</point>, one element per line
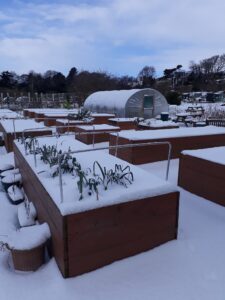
<point>117,36</point>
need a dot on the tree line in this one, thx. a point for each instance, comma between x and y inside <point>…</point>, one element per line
<point>207,74</point>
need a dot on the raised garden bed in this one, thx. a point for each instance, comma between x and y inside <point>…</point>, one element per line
<point>100,118</point>
<point>8,114</point>
<point>87,133</point>
<point>153,124</point>
<point>123,123</point>
<point>50,119</point>
<point>69,125</point>
<point>90,233</point>
<point>180,139</point>
<point>7,129</point>
<point>202,172</point>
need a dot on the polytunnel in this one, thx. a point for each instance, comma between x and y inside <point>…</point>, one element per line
<point>146,103</point>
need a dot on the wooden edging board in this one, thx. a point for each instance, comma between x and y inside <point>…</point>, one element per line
<point>202,177</point>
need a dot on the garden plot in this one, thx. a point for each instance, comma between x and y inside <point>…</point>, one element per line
<point>8,114</point>
<point>103,216</point>
<point>202,172</point>
<point>154,124</point>
<point>14,129</point>
<point>123,123</point>
<point>180,139</point>
<point>96,133</point>
<point>66,125</point>
<point>101,118</point>
<point>191,267</point>
<point>33,112</point>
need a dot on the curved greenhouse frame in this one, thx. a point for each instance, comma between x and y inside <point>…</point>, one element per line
<point>146,103</point>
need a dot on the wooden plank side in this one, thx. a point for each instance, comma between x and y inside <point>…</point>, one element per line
<point>148,154</point>
<point>101,236</point>
<point>46,209</point>
<point>203,178</point>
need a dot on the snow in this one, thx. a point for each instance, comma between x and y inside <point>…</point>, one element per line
<point>94,115</point>
<point>157,123</point>
<point>21,125</point>
<point>57,114</point>
<point>215,154</point>
<point>51,110</point>
<point>26,215</point>
<point>7,113</point>
<point>29,237</point>
<point>98,127</point>
<point>123,119</point>
<point>15,193</point>
<point>171,133</point>
<point>12,178</point>
<point>116,99</point>
<point>6,161</point>
<point>190,268</point>
<point>10,172</point>
<point>115,194</point>
<point>71,122</point>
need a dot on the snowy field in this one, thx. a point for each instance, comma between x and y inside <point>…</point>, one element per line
<point>190,268</point>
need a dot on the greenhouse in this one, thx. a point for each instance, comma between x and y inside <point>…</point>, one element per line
<point>146,103</point>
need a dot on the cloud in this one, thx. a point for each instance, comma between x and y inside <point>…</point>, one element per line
<point>120,36</point>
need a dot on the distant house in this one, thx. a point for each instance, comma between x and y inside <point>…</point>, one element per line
<point>146,103</point>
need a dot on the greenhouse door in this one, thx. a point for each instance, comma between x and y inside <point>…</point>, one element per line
<point>148,106</point>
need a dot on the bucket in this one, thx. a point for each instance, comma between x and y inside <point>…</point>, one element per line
<point>164,116</point>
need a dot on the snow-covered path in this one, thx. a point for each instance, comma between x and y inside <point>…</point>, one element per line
<point>190,268</point>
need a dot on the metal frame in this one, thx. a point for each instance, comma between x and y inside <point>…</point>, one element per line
<point>100,148</point>
<point>113,147</point>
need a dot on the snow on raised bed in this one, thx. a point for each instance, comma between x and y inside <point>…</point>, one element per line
<point>21,125</point>
<point>122,119</point>
<point>216,154</point>
<point>157,123</point>
<point>171,133</point>
<point>98,127</point>
<point>145,185</point>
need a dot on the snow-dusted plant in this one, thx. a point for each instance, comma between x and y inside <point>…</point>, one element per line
<point>81,115</point>
<point>118,175</point>
<point>30,142</point>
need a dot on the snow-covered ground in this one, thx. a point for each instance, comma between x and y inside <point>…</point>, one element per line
<point>190,268</point>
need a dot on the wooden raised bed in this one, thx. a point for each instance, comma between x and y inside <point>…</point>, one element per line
<point>148,154</point>
<point>202,177</point>
<point>101,118</point>
<point>39,117</point>
<point>87,131</point>
<point>9,136</point>
<point>149,127</point>
<point>123,123</point>
<point>85,241</point>
<point>69,125</point>
<point>50,120</point>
